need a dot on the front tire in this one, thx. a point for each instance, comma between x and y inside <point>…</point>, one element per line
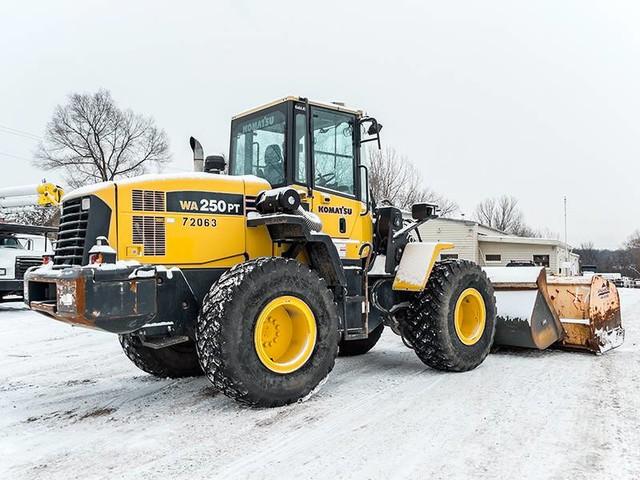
<point>451,323</point>
<point>267,333</point>
<point>175,361</point>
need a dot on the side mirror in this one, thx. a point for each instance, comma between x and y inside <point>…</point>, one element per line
<point>423,211</point>
<point>374,128</point>
<point>215,164</point>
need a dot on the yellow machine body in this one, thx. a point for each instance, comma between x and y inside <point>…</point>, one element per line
<point>144,227</point>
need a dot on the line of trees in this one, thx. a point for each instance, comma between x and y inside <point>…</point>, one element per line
<point>394,179</point>
<point>624,260</point>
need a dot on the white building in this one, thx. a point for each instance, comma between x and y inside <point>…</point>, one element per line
<point>488,246</point>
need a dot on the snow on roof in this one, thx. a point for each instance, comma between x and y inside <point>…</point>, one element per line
<point>333,106</point>
<point>526,240</point>
<point>89,189</point>
<point>470,223</point>
<point>502,237</point>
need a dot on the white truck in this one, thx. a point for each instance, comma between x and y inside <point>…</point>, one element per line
<point>21,247</point>
<point>24,246</point>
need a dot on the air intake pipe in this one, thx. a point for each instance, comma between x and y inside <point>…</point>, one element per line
<point>286,200</point>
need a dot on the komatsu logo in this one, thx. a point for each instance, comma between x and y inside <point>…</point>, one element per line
<point>335,210</point>
<point>205,202</point>
<point>259,124</point>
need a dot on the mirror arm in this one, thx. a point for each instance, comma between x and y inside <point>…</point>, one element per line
<point>366,176</point>
<point>378,127</point>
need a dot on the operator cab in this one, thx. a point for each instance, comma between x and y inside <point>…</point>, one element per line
<point>285,140</point>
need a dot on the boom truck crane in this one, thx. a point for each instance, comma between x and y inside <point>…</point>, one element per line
<point>20,247</point>
<point>260,277</point>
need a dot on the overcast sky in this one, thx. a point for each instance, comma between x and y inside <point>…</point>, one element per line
<point>534,99</point>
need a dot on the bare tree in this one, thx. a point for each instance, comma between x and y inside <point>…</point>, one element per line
<point>395,179</point>
<point>633,241</point>
<point>47,216</point>
<point>625,260</point>
<point>93,140</point>
<point>588,253</point>
<point>632,245</point>
<point>503,213</point>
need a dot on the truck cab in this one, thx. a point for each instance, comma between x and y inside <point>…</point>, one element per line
<point>18,252</point>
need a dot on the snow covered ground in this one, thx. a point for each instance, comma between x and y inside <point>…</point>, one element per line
<point>72,406</point>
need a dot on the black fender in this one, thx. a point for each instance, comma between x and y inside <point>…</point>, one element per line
<point>293,229</point>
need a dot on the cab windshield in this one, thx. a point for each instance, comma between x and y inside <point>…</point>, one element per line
<point>11,242</point>
<point>258,145</point>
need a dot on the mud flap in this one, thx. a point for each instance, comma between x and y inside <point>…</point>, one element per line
<point>525,314</point>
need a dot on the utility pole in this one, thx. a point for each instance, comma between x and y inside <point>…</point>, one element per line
<point>566,245</point>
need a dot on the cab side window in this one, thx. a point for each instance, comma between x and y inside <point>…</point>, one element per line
<point>333,151</point>
<point>300,147</point>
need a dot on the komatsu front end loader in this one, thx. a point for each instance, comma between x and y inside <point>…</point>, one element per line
<point>260,277</point>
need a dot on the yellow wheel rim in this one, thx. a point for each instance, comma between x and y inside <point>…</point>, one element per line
<point>285,334</point>
<point>470,316</point>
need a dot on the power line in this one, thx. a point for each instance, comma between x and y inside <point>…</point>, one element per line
<point>15,156</point>
<point>26,137</point>
<point>19,133</point>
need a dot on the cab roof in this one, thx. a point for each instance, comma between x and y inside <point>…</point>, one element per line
<point>332,106</point>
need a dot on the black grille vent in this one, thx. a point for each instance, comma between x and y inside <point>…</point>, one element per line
<point>150,233</point>
<point>147,201</point>
<point>23,263</point>
<point>71,234</point>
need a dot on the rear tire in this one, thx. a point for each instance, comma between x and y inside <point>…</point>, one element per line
<point>430,321</point>
<point>170,362</point>
<point>234,310</point>
<point>351,348</point>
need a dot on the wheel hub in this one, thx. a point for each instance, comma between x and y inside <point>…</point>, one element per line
<point>470,316</point>
<point>285,334</point>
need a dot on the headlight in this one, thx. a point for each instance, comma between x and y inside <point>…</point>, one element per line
<point>3,272</point>
<point>86,203</point>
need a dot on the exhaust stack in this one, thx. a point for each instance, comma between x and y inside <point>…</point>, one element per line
<point>198,155</point>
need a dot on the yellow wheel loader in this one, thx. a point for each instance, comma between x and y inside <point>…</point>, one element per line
<point>260,277</point>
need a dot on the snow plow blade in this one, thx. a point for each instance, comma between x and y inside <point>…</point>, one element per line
<point>589,309</point>
<point>525,314</point>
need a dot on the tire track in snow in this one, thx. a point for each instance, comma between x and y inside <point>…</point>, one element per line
<point>327,429</point>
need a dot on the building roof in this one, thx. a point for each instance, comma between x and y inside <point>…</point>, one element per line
<point>472,223</point>
<point>526,240</point>
<point>502,237</point>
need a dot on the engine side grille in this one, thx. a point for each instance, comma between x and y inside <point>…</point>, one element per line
<point>150,233</point>
<point>147,201</point>
<point>23,263</point>
<point>250,203</point>
<point>71,234</point>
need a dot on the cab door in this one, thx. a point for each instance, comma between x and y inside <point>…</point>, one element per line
<point>336,196</point>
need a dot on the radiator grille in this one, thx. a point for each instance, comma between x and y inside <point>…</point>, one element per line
<point>23,263</point>
<point>147,201</point>
<point>150,233</point>
<point>71,233</point>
